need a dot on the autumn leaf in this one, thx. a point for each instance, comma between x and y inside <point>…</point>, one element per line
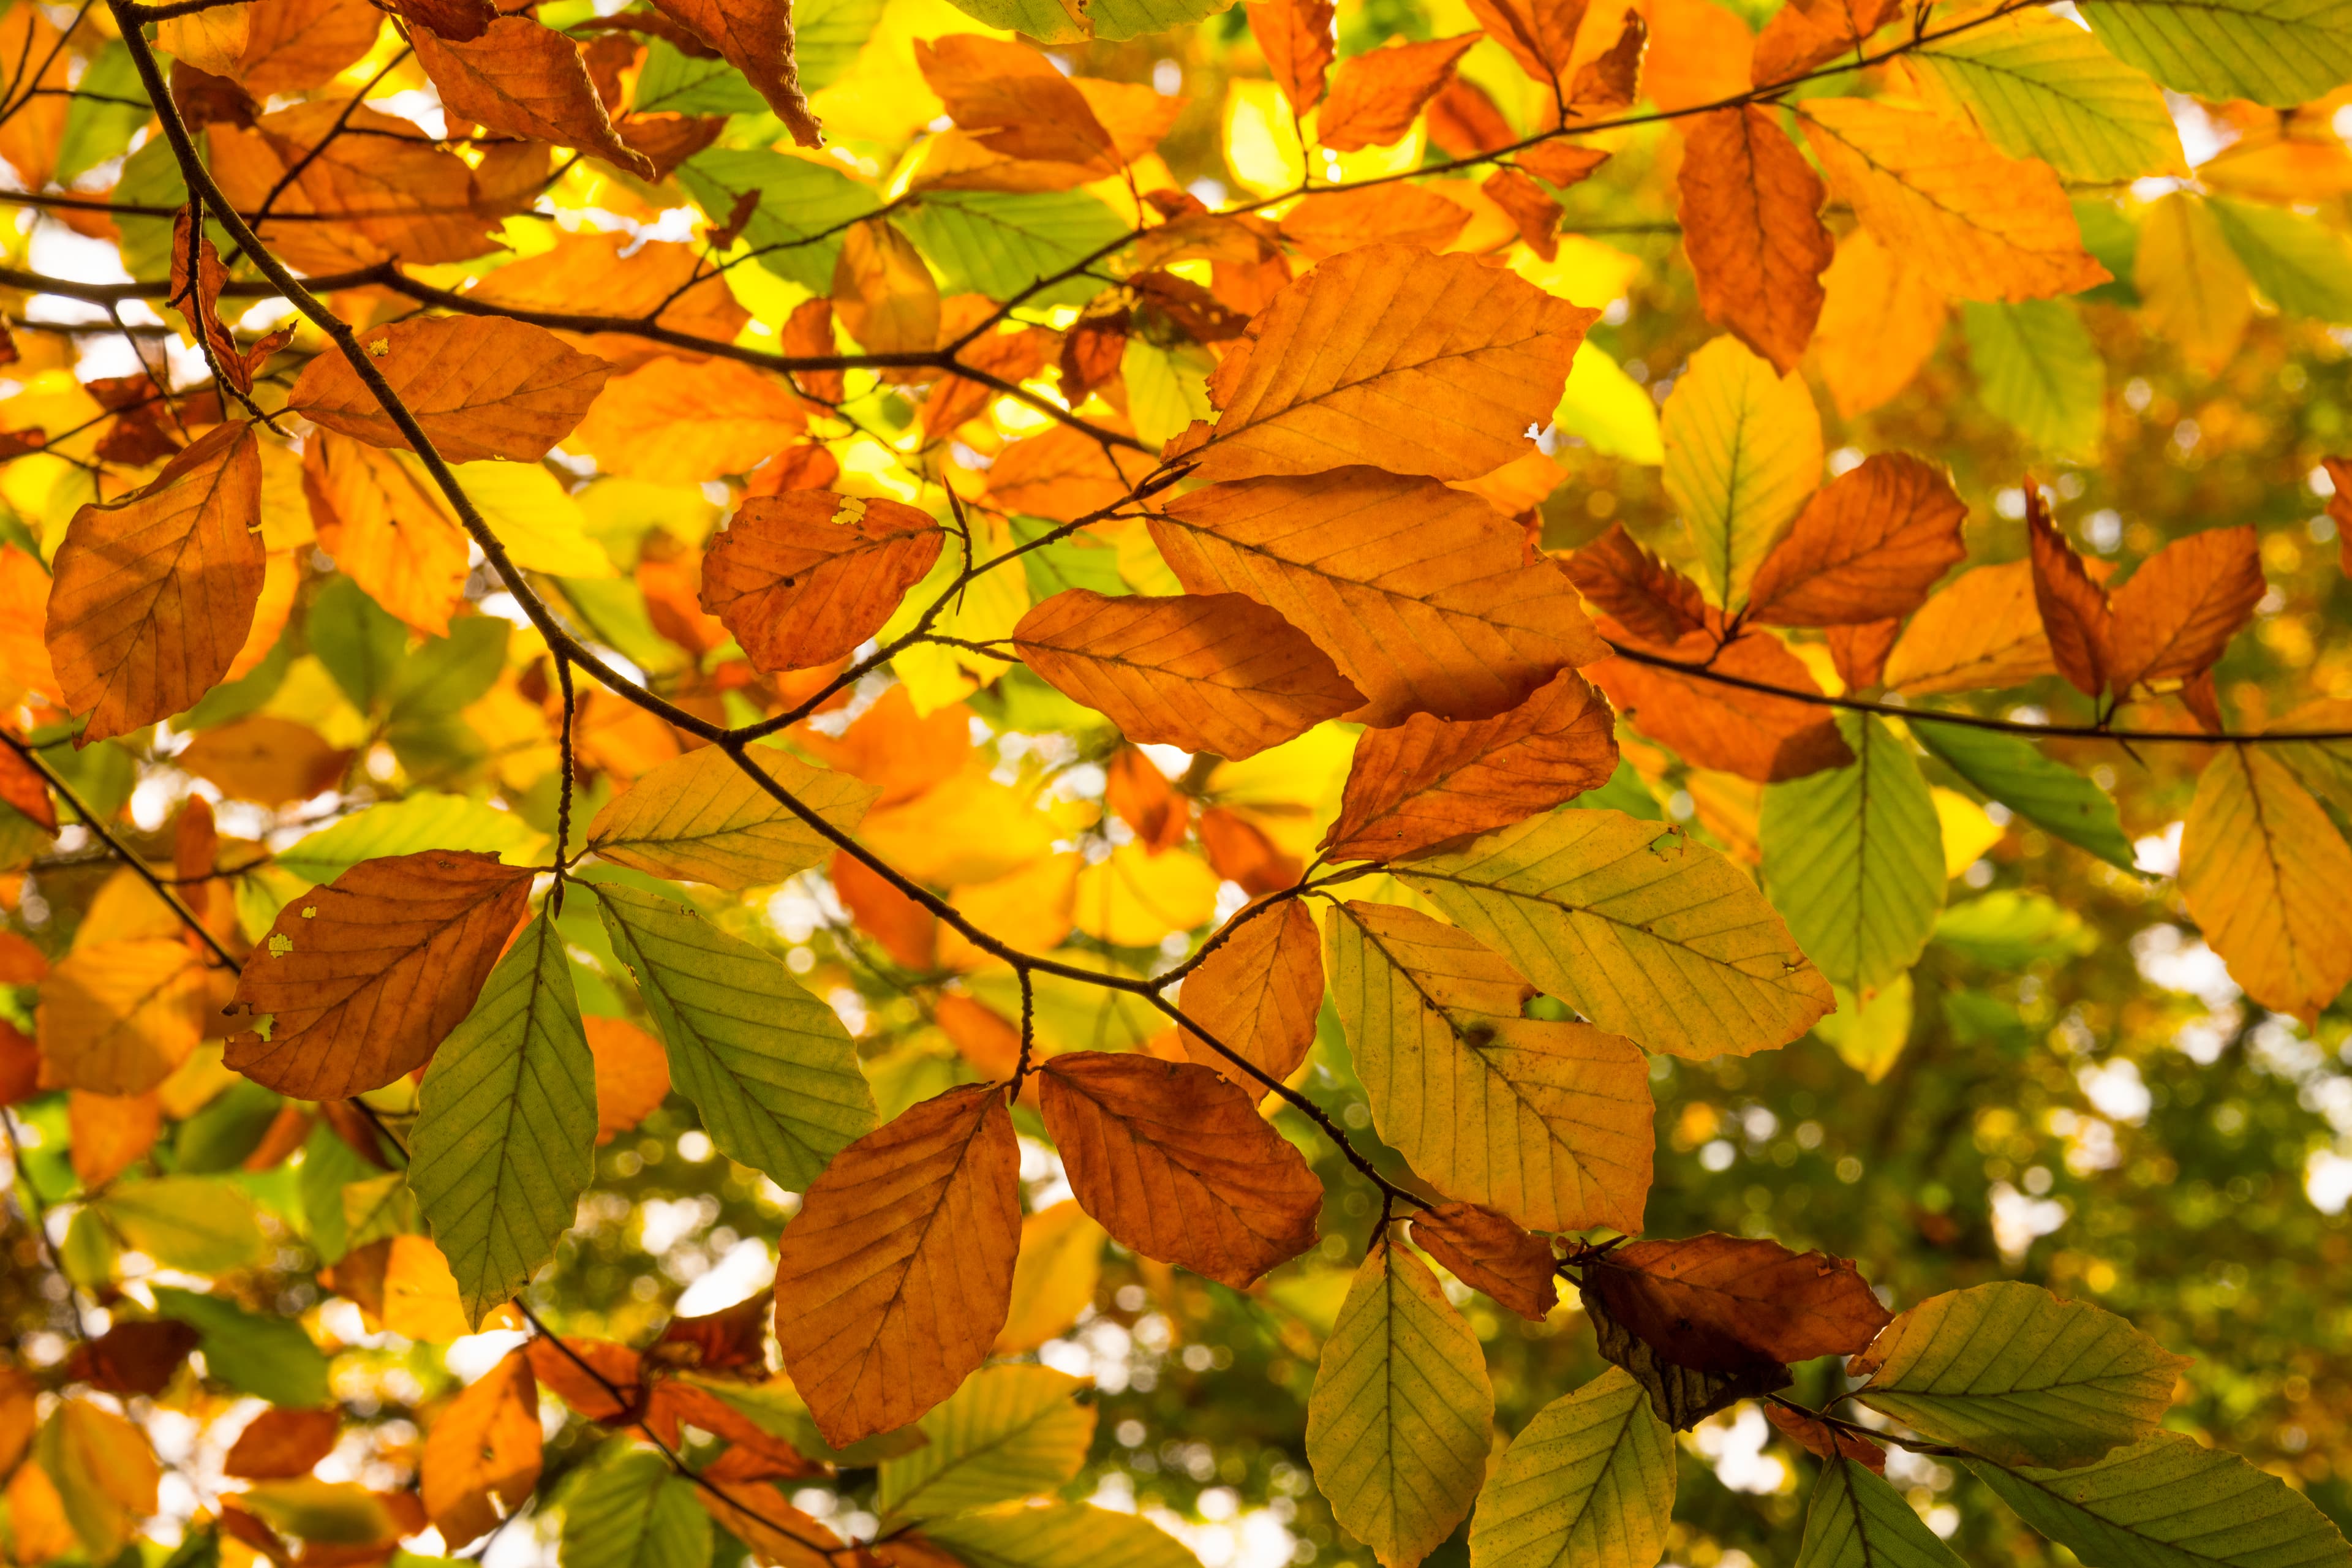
<point>117,1017</point>
<point>1540,34</point>
<point>2174,615</point>
<point>1756,734</point>
<point>1257,992</point>
<point>1014,100</point>
<point>2075,615</point>
<point>702,817</point>
<point>1804,34</point>
<point>1743,450</point>
<point>755,37</point>
<point>884,294</point>
<point>1295,35</point>
<point>1983,630</point>
<point>1750,210</point>
<point>1589,1480</point>
<point>527,81</point>
<point>1717,1302</point>
<point>278,1445</point>
<point>1375,96</point>
<point>389,531</point>
<point>479,387</point>
<point>363,978</point>
<point>1867,547</point>
<point>802,578</point>
<point>482,1455</point>
<point>2258,861</point>
<point>1879,323</point>
<point>1487,1250</point>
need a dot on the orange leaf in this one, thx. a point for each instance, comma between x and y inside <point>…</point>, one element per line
<point>279,1444</point>
<point>1257,994</point>
<point>1699,53</point>
<point>1718,1302</point>
<point>21,963</point>
<point>294,46</point>
<point>1859,653</point>
<point>479,387</point>
<point>154,594</point>
<point>106,1134</point>
<point>461,21</point>
<point>1491,1252</point>
<point>900,752</point>
<point>908,931</point>
<point>884,292</point>
<point>2179,611</point>
<point>1464,120</point>
<point>24,788</point>
<point>1713,725</point>
<point>1176,1163</point>
<point>1804,33</point>
<point>677,421</point>
<point>670,283</point>
<point>1979,224</point>
<point>265,759</point>
<point>1879,323</point>
<point>387,530</point>
<point>894,1279</point>
<point>1821,1439</point>
<point>198,296</point>
<point>363,977</point>
<point>757,1514</point>
<point>1139,794</point>
<point>527,81</point>
<point>482,1455</point>
<point>1560,164</point>
<point>1430,780</point>
<point>1240,851</point>
<point>989,1040</point>
<point>2075,613</point>
<point>1015,103</point>
<point>755,37</point>
<point>804,577</point>
<point>584,1374</point>
<point>632,1075</point>
<point>1867,547</point>
<point>1375,96</point>
<point>1538,33</point>
<point>1983,632</point>
<point>1208,672</point>
<point>1420,363</point>
<point>1530,208</point>
<point>1324,223</point>
<point>1062,476</point>
<point>355,200</point>
<point>1750,209</point>
<point>119,1017</point>
<point>1421,594</point>
<point>1296,38</point>
<point>1609,81</point>
<point>1641,593</point>
<point>24,599</point>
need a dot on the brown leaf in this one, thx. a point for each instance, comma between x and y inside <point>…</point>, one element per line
<point>1376,94</point>
<point>154,594</point>
<point>383,193</point>
<point>20,1071</point>
<point>1430,779</point>
<point>1750,208</point>
<point>2339,508</point>
<point>528,80</point>
<point>669,140</point>
<point>1421,594</point>
<point>1092,350</point>
<point>896,1275</point>
<point>387,529</point>
<point>2075,613</point>
<point>1609,81</point>
<point>1258,995</point>
<point>578,1372</point>
<point>1983,631</point>
<point>482,1455</point>
<point>1867,547</point>
<point>1859,653</point>
<point>279,1444</point>
<point>1296,38</point>
<point>1718,1302</point>
<point>2179,609</point>
<point>364,977</point>
<point>804,577</point>
<point>198,296</point>
<point>1139,794</point>
<point>1683,1396</point>
<point>1175,1162</point>
<point>728,1340</point>
<point>1239,851</point>
<point>1206,672</point>
<point>1464,120</point>
<point>479,387</point>
<point>1804,33</point>
<point>1491,1252</point>
<point>1325,222</point>
<point>1823,1441</point>
<point>1530,208</point>
<point>132,1357</point>
<point>1015,103</point>
<point>1560,163</point>
<point>460,21</point>
<point>1635,589</point>
<point>1538,33</point>
<point>755,37</point>
<point>1712,724</point>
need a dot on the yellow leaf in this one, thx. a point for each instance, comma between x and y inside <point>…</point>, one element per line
<point>1968,832</point>
<point>117,1017</point>
<point>1743,450</point>
<point>700,817</point>
<point>2263,871</point>
<point>1134,898</point>
<point>1053,1280</point>
<point>2193,288</point>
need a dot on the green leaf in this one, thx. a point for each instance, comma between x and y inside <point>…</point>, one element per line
<point>1053,568</point>
<point>2171,1502</point>
<point>767,1065</point>
<point>1060,1536</point>
<point>674,82</point>
<point>222,1134</point>
<point>632,1510</point>
<point>1167,389</point>
<point>448,673</point>
<point>359,641</point>
<point>329,1165</point>
<point>425,821</point>
<point>1403,1416</point>
<point>1608,410</point>
<point>2303,268</point>
<point>1008,1432</point>
<point>702,819</point>
<point>2276,52</point>
<point>2010,1371</point>
<point>2047,793</point>
<point>379,1207</point>
<point>270,1358</point>
<point>1625,792</point>
<point>1743,450</point>
<point>1857,1521</point>
<point>205,1225</point>
<point>991,243</point>
<point>2038,369</point>
<point>1119,20</point>
<point>1868,1037</point>
<point>1650,934</point>
<point>2009,928</point>
<point>827,36</point>
<point>1042,20</point>
<point>803,206</point>
<point>152,178</point>
<point>505,1128</point>
<point>1588,1483</point>
<point>96,128</point>
<point>2044,88</point>
<point>1548,1122</point>
<point>1854,857</point>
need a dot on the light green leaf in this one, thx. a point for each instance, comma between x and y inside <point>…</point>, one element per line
<point>1403,1416</point>
<point>270,1358</point>
<point>1060,1536</point>
<point>1613,414</point>
<point>331,1513</point>
<point>700,818</point>
<point>614,611</point>
<point>1167,389</point>
<point>97,126</point>
<point>403,827</point>
<point>827,36</point>
<point>506,1129</point>
<point>996,243</point>
<point>767,1065</point>
<point>2276,52</point>
<point>205,1225</point>
<point>448,673</point>
<point>1042,20</point>
<point>2010,1371</point>
<point>1854,857</point>
<point>152,178</point>
<point>1648,934</point>
<point>2303,268</point>
<point>2009,928</point>
<point>2044,88</point>
<point>1590,1483</point>
<point>803,206</point>
<point>1548,1122</point>
<point>377,1207</point>
<point>359,641</point>
<point>2038,369</point>
<point>1119,20</point>
<point>329,1167</point>
<point>674,82</point>
<point>2047,793</point>
<point>631,1510</point>
<point>536,519</point>
<point>2171,1502</point>
<point>1868,1037</point>
<point>1008,1432</point>
<point>1743,450</point>
<point>1857,1521</point>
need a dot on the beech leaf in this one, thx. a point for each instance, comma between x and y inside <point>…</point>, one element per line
<point>479,387</point>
